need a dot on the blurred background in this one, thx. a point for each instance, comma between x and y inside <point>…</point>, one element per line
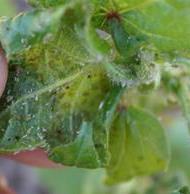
<point>27,180</point>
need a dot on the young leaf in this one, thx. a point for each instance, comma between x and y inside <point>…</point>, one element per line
<point>142,144</point>
<point>126,44</point>
<point>150,20</point>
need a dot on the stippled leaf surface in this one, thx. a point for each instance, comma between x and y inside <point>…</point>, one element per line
<point>69,64</point>
<point>55,93</point>
<point>17,34</point>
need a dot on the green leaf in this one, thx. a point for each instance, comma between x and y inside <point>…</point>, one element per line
<point>127,45</point>
<point>90,148</point>
<point>67,76</point>
<point>47,3</point>
<point>81,152</point>
<point>20,32</point>
<point>142,146</point>
<point>179,4</point>
<point>59,96</point>
<point>150,20</point>
<point>153,20</point>
<point>183,190</point>
<point>119,4</point>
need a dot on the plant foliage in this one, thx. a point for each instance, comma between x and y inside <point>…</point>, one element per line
<point>77,72</point>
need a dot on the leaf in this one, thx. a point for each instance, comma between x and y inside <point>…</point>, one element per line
<point>20,32</point>
<point>183,190</point>
<point>65,83</point>
<point>163,24</point>
<point>127,45</point>
<point>142,146</point>
<point>47,3</point>
<point>51,115</point>
<point>81,152</point>
<point>90,148</point>
<point>179,4</point>
<point>58,95</point>
<point>120,4</point>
